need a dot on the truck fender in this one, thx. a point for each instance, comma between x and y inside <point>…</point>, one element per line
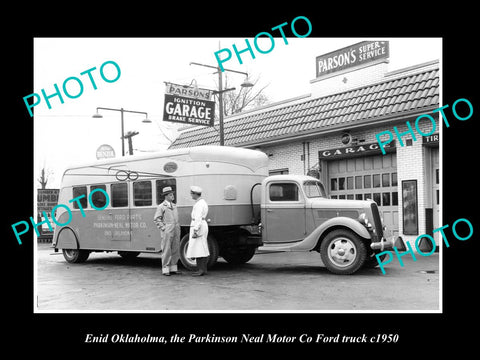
<point>67,239</point>
<point>311,241</point>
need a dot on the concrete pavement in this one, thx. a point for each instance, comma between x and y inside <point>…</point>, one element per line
<point>274,281</point>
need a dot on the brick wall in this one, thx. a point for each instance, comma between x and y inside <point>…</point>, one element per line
<point>350,80</point>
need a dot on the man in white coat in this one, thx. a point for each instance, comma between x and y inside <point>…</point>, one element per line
<point>197,244</point>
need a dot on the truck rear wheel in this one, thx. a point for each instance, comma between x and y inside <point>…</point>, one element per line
<point>237,256</point>
<point>343,252</point>
<point>75,255</point>
<point>191,264</point>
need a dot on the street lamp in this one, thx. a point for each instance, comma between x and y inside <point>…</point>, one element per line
<point>246,83</point>
<point>97,115</point>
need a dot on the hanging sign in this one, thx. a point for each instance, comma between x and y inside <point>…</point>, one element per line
<point>187,104</point>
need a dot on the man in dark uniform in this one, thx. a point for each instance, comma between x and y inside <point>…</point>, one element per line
<point>166,218</point>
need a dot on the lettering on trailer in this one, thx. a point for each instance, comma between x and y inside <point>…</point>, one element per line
<point>71,90</point>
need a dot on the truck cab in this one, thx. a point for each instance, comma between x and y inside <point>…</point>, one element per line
<point>296,215</point>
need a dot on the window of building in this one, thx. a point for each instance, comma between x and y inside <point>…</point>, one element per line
<point>79,191</point>
<point>119,194</point>
<point>367,196</point>
<point>377,198</point>
<point>386,179</point>
<point>350,182</point>
<point>160,184</point>
<point>437,176</point>
<point>350,196</point>
<point>341,197</point>
<point>283,192</point>
<point>358,182</point>
<point>341,183</point>
<point>333,184</point>
<point>142,193</point>
<point>376,180</point>
<point>99,199</point>
<point>395,198</point>
<point>367,181</point>
<point>386,199</point>
<point>358,197</point>
<point>278,172</point>
<point>394,179</point>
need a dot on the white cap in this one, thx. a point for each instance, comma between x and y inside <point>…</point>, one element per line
<point>196,189</point>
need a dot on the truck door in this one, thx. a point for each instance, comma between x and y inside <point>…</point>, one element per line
<point>284,213</point>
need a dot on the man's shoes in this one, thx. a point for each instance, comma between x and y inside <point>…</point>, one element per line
<point>166,274</point>
<point>175,273</point>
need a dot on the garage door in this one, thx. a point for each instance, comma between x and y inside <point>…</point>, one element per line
<point>370,177</point>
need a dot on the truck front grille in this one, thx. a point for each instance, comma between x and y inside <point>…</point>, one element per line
<point>377,221</point>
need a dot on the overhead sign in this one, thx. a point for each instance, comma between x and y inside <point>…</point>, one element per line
<point>47,199</point>
<point>352,151</point>
<point>105,151</point>
<point>431,139</point>
<point>186,104</point>
<point>363,53</point>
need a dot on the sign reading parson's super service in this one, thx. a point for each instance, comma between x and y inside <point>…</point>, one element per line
<point>363,53</point>
<point>189,105</point>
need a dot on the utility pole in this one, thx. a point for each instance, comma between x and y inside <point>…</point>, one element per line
<point>220,92</point>
<point>129,136</point>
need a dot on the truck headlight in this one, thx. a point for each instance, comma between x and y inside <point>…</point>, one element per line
<point>363,219</point>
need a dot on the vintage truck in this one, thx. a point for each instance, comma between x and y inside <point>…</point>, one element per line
<point>248,210</point>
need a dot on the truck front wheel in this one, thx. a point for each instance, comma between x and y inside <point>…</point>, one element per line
<point>191,264</point>
<point>343,252</point>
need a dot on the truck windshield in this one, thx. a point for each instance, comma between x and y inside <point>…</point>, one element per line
<point>314,189</point>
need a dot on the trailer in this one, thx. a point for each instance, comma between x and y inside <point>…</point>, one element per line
<point>248,209</point>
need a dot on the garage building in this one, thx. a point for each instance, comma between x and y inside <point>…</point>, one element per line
<point>330,134</point>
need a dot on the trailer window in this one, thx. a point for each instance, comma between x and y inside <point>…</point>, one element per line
<point>79,191</point>
<point>142,193</point>
<point>283,192</point>
<point>98,198</point>
<point>119,194</point>
<point>160,184</point>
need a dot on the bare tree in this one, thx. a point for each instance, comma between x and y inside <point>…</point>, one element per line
<point>242,98</point>
<point>44,175</point>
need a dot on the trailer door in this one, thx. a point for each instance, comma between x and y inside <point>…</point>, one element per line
<point>144,234</point>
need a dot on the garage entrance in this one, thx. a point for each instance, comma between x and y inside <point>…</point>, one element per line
<point>368,177</point>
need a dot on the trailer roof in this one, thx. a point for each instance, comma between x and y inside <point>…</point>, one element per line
<point>251,159</point>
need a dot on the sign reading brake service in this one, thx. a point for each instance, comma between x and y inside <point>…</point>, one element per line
<point>355,55</point>
<point>188,105</point>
